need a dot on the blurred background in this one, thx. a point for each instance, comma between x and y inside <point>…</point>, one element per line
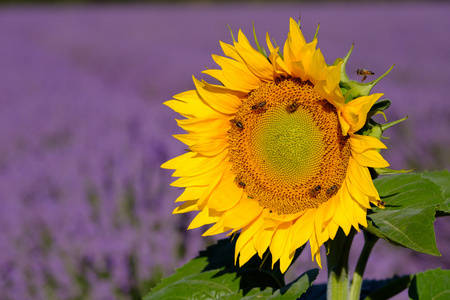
<point>85,208</point>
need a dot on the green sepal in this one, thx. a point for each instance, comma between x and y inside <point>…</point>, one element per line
<point>390,124</point>
<point>354,88</point>
<point>317,32</point>
<point>387,171</point>
<point>371,128</point>
<point>363,89</point>
<point>381,105</point>
<point>231,32</point>
<point>260,49</point>
<point>344,76</point>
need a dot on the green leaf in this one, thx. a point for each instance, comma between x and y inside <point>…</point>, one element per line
<point>384,289</point>
<point>213,275</point>
<point>432,284</point>
<point>441,178</point>
<point>291,291</point>
<point>411,204</point>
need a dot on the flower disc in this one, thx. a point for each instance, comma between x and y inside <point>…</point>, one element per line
<point>286,147</point>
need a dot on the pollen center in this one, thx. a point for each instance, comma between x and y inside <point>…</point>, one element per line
<point>276,147</point>
<point>286,147</point>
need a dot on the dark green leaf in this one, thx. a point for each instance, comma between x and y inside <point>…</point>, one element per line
<point>432,284</point>
<point>213,275</point>
<point>381,105</point>
<point>441,178</point>
<point>291,291</point>
<point>411,204</point>
<point>316,292</point>
<point>384,289</point>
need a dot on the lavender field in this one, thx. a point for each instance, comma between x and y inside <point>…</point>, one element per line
<point>85,209</point>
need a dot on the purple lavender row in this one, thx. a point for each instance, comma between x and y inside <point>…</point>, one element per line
<point>85,207</point>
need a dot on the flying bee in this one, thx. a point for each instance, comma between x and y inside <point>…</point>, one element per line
<point>238,125</point>
<point>292,107</point>
<point>258,108</point>
<point>364,73</point>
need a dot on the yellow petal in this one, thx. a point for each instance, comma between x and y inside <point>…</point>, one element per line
<point>269,43</point>
<point>248,232</point>
<point>279,67</point>
<point>230,51</point>
<point>226,194</point>
<point>202,125</point>
<point>237,75</point>
<point>189,105</point>
<point>302,229</point>
<point>286,260</point>
<point>242,214</point>
<point>280,241</point>
<point>223,102</point>
<point>370,158</point>
<point>191,193</point>
<point>317,67</point>
<point>186,207</point>
<point>210,147</point>
<point>355,111</point>
<point>332,229</point>
<point>246,253</point>
<point>262,240</point>
<point>361,179</point>
<point>217,228</point>
<point>204,217</point>
<point>356,194</point>
<point>255,61</point>
<point>340,217</point>
<point>298,40</point>
<point>202,179</point>
<point>199,164</point>
<point>347,204</point>
<point>360,143</point>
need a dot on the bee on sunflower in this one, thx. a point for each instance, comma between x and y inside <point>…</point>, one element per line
<point>277,151</point>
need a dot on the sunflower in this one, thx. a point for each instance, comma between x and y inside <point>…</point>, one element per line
<point>274,151</point>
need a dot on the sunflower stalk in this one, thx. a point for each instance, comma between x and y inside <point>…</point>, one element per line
<point>337,262</point>
<point>357,280</point>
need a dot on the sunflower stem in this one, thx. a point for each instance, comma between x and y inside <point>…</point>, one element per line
<point>357,280</point>
<point>337,262</point>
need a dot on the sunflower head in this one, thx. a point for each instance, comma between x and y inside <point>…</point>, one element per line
<point>277,151</point>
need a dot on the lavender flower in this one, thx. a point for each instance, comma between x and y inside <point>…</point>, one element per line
<point>85,207</point>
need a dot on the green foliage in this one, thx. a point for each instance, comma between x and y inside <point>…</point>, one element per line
<point>384,289</point>
<point>213,275</point>
<point>432,284</point>
<point>412,201</point>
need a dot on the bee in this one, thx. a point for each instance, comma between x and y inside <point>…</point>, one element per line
<point>381,204</point>
<point>364,73</point>
<point>258,108</point>
<point>315,191</point>
<point>292,107</point>
<point>238,125</point>
<point>240,183</point>
<point>332,190</point>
